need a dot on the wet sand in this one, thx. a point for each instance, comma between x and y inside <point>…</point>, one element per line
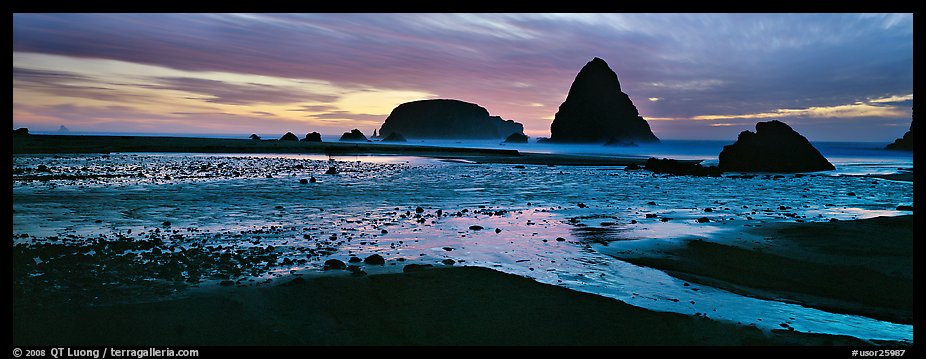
<point>447,306</point>
<point>59,144</point>
<point>862,267</point>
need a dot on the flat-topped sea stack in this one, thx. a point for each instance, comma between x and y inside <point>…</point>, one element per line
<point>774,147</point>
<point>597,111</point>
<point>447,119</point>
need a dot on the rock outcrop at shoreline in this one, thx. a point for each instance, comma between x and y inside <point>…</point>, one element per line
<point>254,137</point>
<point>447,119</point>
<point>22,131</point>
<point>516,138</point>
<point>289,136</point>
<point>675,167</point>
<point>597,111</point>
<point>313,137</point>
<point>395,137</point>
<point>903,144</point>
<point>774,147</point>
<point>354,136</point>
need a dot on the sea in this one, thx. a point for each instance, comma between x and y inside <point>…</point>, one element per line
<point>530,220</point>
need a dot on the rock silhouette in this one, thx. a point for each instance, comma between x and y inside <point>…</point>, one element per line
<point>289,136</point>
<point>354,135</point>
<point>774,147</point>
<point>447,119</point>
<point>516,138</point>
<point>394,137</point>
<point>597,111</point>
<point>903,144</point>
<point>254,137</point>
<point>313,137</point>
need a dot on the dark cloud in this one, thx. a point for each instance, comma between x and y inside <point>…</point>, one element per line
<point>63,84</point>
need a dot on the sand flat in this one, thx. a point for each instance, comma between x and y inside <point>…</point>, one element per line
<point>448,306</point>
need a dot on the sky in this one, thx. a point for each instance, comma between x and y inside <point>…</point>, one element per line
<point>832,77</point>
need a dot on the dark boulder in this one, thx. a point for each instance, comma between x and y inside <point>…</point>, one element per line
<point>331,171</point>
<point>447,119</point>
<point>774,147</point>
<point>21,131</point>
<point>334,264</point>
<point>679,168</point>
<point>597,111</point>
<point>354,136</point>
<point>375,259</point>
<point>313,137</point>
<point>516,138</point>
<point>289,136</point>
<point>395,137</point>
<point>254,137</point>
<point>409,268</point>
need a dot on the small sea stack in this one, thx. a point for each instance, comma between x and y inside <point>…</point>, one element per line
<point>312,137</point>
<point>774,147</point>
<point>516,138</point>
<point>353,136</point>
<point>904,143</point>
<point>289,136</point>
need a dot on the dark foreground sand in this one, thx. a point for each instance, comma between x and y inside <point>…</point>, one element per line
<point>860,267</point>
<point>454,306</point>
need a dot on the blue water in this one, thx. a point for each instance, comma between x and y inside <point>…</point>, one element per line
<point>841,154</point>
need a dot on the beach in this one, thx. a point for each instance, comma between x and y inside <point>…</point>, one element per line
<point>165,247</point>
<point>447,306</point>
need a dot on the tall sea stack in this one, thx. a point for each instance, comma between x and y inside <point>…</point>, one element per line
<point>597,111</point>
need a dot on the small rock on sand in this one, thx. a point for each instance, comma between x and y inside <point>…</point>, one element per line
<point>476,228</point>
<point>304,181</point>
<point>448,261</point>
<point>354,260</point>
<point>560,239</point>
<point>703,220</point>
<point>166,224</point>
<point>448,249</point>
<point>416,267</point>
<point>312,180</point>
<point>334,264</point>
<point>331,171</point>
<point>650,215</point>
<point>904,208</point>
<point>419,210</point>
<point>498,230</point>
<point>375,259</point>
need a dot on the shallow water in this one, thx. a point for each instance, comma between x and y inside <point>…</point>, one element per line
<point>227,203</point>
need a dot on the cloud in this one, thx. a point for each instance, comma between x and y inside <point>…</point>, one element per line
<point>858,109</point>
<point>239,94</point>
<point>695,64</point>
